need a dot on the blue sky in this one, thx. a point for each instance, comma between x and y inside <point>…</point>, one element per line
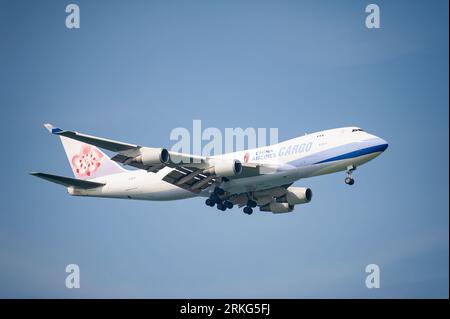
<point>135,71</point>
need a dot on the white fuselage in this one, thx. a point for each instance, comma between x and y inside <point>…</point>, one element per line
<point>310,155</point>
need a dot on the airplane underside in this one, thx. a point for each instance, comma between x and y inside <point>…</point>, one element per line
<point>268,192</point>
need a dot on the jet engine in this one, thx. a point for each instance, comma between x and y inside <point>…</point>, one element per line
<point>225,168</point>
<point>277,208</point>
<point>297,195</point>
<point>286,203</point>
<point>152,156</point>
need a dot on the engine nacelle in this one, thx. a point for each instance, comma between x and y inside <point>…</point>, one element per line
<point>298,195</point>
<point>277,208</point>
<point>225,168</point>
<point>152,156</point>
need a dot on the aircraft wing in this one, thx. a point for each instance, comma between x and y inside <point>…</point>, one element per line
<point>126,152</point>
<point>191,172</point>
<point>195,179</point>
<point>110,145</point>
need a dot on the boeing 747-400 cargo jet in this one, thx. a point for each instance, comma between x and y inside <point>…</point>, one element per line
<point>257,177</point>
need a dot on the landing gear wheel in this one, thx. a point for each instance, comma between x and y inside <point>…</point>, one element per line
<point>221,207</point>
<point>248,210</point>
<point>228,204</point>
<point>209,202</point>
<point>251,203</point>
<point>216,199</point>
<point>349,181</point>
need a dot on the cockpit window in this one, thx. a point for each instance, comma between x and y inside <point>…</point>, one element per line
<point>357,129</point>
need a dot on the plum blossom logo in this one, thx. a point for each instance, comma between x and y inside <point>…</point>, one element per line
<point>87,161</point>
<point>246,157</point>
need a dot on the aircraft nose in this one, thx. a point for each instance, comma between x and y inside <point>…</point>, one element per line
<point>382,144</point>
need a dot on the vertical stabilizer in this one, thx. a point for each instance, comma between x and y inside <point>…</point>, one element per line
<point>87,161</point>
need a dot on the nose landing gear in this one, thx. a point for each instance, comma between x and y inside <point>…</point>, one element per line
<point>349,179</point>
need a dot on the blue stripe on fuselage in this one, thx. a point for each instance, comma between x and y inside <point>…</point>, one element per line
<point>361,152</point>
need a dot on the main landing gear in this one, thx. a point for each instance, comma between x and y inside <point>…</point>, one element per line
<point>214,199</point>
<point>349,179</point>
<point>249,208</point>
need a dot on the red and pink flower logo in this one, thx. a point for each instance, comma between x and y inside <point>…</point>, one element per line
<point>246,157</point>
<point>87,161</point>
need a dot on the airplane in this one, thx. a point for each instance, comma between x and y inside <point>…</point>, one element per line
<point>260,177</point>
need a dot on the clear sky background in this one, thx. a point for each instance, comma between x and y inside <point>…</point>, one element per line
<point>137,69</point>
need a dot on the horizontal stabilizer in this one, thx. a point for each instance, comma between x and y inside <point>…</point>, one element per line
<point>67,181</point>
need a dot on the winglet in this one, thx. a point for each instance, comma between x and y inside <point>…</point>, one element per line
<point>52,129</point>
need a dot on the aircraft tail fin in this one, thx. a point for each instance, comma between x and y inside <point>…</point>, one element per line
<point>87,161</point>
